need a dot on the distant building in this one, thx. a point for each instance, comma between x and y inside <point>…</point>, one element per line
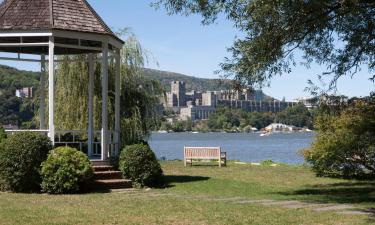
<point>246,94</point>
<point>26,92</point>
<point>309,103</point>
<point>177,96</point>
<point>198,105</point>
<point>194,96</point>
<point>256,106</point>
<point>196,112</point>
<point>209,99</point>
<point>275,127</point>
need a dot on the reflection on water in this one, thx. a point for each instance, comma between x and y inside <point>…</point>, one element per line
<point>244,147</point>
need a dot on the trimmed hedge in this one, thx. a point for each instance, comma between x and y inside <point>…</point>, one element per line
<point>66,170</point>
<point>138,163</point>
<point>21,155</point>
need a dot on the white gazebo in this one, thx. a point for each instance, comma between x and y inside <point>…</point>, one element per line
<point>64,27</point>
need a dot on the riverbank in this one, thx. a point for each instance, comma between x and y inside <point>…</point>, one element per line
<point>231,132</point>
<point>236,194</point>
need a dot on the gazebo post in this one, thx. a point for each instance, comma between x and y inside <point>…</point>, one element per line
<point>51,89</point>
<point>117,101</point>
<point>90,133</point>
<point>42,97</point>
<point>104,135</point>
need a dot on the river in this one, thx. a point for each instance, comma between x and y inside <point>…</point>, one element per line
<point>246,147</point>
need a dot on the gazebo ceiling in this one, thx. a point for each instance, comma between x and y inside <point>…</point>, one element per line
<point>71,18</point>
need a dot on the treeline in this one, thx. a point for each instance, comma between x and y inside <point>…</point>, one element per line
<point>240,120</point>
<point>14,110</point>
<point>237,120</point>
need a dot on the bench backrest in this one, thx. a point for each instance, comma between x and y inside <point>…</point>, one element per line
<point>202,152</point>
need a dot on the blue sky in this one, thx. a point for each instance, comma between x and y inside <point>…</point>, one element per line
<point>181,44</point>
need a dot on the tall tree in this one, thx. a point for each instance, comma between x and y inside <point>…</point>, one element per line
<point>139,96</point>
<point>339,34</point>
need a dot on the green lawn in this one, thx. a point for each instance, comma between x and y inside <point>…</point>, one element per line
<point>181,206</point>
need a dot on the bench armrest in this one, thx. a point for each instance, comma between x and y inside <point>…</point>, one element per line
<point>223,154</point>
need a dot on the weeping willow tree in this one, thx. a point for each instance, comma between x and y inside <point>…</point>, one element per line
<point>139,96</point>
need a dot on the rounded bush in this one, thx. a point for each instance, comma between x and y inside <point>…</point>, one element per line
<point>21,155</point>
<point>66,170</point>
<point>138,163</point>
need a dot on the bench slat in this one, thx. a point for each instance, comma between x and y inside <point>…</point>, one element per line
<point>215,153</point>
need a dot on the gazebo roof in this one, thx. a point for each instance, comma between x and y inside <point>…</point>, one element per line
<point>74,16</point>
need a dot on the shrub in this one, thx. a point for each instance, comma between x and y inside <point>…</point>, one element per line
<point>267,162</point>
<point>66,170</point>
<point>138,163</point>
<point>21,155</point>
<point>345,143</point>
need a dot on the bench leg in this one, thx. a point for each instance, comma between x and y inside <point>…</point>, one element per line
<point>185,162</point>
<point>219,162</point>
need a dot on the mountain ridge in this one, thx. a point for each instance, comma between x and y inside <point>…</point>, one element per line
<point>192,82</point>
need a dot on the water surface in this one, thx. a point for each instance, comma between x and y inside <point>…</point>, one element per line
<point>239,146</point>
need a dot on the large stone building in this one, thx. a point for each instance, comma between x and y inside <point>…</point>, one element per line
<point>196,112</point>
<point>177,96</point>
<point>197,105</point>
<point>256,106</point>
<point>209,99</point>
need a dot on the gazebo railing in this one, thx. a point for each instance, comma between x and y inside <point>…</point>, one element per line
<point>78,139</point>
<point>11,132</point>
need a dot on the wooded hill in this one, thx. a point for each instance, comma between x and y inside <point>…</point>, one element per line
<point>14,110</point>
<point>193,83</point>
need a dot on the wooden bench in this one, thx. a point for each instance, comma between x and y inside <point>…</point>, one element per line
<point>204,153</point>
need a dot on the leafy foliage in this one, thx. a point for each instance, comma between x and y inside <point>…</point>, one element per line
<point>139,96</point>
<point>66,170</point>
<point>267,162</point>
<point>3,135</point>
<point>178,126</point>
<point>14,110</point>
<point>138,163</point>
<point>298,116</point>
<point>345,142</point>
<point>21,155</point>
<point>338,34</point>
<point>227,119</point>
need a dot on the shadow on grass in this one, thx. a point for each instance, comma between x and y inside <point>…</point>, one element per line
<point>344,192</point>
<point>170,179</point>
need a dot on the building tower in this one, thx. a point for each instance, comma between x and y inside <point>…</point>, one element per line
<point>178,89</point>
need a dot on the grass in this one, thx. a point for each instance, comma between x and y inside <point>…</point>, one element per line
<point>245,181</point>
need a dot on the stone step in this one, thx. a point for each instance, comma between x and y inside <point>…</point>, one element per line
<point>107,175</point>
<point>102,168</point>
<point>112,184</point>
<point>100,163</point>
